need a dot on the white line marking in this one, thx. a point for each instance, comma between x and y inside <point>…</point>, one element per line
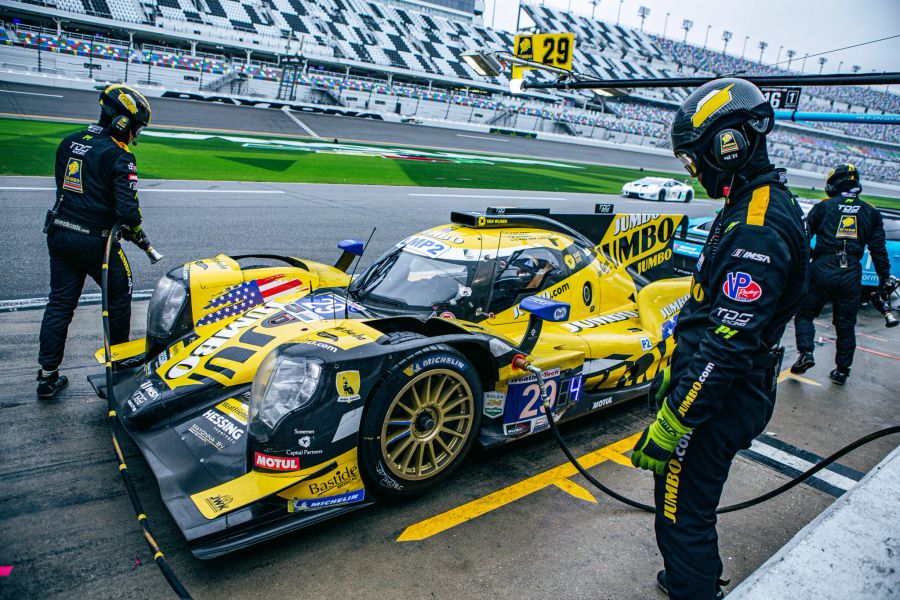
<point>835,479</point>
<point>481,137</point>
<point>484,196</point>
<point>31,303</point>
<point>299,123</point>
<point>31,94</point>
<point>148,190</point>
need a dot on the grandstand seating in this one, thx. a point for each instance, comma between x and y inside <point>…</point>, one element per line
<point>400,38</point>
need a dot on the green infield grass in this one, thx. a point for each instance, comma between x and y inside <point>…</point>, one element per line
<point>27,147</point>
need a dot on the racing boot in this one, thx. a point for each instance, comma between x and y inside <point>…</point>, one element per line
<point>661,582</point>
<point>50,384</point>
<point>839,376</point>
<point>804,363</point>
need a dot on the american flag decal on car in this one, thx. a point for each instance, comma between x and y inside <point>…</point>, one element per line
<point>241,298</point>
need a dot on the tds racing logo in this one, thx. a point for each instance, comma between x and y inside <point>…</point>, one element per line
<point>741,287</point>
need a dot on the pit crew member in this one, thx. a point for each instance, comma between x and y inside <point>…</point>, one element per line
<point>843,226</point>
<point>748,283</point>
<point>96,185</point>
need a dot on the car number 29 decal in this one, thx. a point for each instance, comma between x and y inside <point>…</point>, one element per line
<point>523,399</point>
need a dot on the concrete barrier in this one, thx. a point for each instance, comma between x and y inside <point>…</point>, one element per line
<point>851,550</point>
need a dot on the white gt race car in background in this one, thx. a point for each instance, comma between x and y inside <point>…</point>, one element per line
<point>658,188</point>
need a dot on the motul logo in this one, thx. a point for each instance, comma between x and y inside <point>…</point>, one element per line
<point>276,463</point>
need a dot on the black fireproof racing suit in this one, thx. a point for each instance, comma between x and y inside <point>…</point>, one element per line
<point>748,283</point>
<point>843,226</point>
<point>96,182</point>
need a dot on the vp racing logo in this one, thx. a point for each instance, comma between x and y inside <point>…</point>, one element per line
<point>741,287</point>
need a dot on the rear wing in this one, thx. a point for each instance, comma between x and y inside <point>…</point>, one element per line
<point>639,243</point>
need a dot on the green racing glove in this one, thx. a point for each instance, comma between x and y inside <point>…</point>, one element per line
<point>658,441</point>
<point>663,389</point>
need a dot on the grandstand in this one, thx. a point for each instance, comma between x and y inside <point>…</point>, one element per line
<point>403,57</point>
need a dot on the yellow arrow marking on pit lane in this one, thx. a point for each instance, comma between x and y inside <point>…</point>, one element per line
<point>576,490</point>
<point>786,374</point>
<point>557,476</point>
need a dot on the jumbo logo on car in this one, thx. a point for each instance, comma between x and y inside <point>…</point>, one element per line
<point>646,234</point>
<point>216,340</point>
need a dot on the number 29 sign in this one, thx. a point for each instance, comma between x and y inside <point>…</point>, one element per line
<point>551,49</point>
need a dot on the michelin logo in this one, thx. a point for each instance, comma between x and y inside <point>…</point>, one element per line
<point>297,505</point>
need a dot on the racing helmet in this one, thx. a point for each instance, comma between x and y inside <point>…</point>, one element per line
<point>124,111</point>
<point>843,179</point>
<point>718,129</point>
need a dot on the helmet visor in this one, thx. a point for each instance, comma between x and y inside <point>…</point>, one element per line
<point>688,163</point>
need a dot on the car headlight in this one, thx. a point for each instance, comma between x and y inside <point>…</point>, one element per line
<point>165,306</point>
<point>282,384</point>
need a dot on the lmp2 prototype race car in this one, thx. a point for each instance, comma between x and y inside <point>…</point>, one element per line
<point>267,398</point>
<point>658,188</point>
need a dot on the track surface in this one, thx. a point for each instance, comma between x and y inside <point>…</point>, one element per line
<point>67,527</point>
<point>82,104</point>
<point>274,218</point>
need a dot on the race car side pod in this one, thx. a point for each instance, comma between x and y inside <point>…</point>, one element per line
<point>519,362</point>
<point>158,556</point>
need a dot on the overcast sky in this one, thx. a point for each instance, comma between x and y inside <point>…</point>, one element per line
<point>803,25</point>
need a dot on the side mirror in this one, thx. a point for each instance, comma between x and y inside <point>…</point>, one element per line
<point>546,309</point>
<point>516,86</point>
<point>351,249</point>
<point>540,310</point>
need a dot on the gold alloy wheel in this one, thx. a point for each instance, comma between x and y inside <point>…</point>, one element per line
<point>427,424</point>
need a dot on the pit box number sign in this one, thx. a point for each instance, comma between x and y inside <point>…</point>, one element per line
<point>787,98</point>
<point>551,49</point>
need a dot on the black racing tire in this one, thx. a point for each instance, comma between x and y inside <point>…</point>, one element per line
<point>662,196</point>
<point>689,196</point>
<point>420,424</point>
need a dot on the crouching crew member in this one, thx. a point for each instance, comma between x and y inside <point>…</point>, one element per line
<point>96,186</point>
<point>748,283</point>
<point>843,226</point>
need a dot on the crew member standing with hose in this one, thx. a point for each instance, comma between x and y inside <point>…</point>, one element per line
<point>96,186</point>
<point>843,226</point>
<point>748,283</point>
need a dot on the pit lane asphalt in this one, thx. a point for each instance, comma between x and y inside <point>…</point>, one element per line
<point>68,531</point>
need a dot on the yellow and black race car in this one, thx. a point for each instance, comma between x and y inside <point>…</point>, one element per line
<point>268,398</point>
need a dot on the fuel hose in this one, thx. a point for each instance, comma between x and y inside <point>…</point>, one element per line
<point>142,519</point>
<point>722,509</point>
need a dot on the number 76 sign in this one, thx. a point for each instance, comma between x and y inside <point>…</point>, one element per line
<point>551,49</point>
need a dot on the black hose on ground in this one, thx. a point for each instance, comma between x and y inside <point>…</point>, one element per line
<point>144,523</point>
<point>722,509</point>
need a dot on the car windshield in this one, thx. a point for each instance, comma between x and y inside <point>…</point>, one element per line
<point>409,280</point>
